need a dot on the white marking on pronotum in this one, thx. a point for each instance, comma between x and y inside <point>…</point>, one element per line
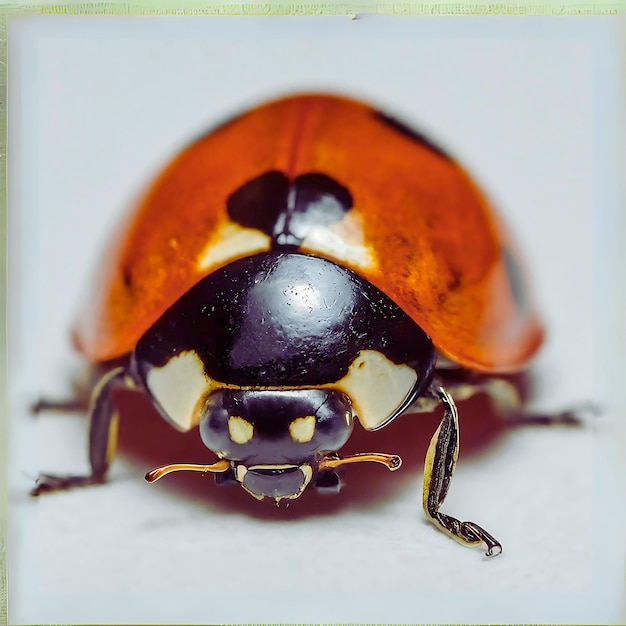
<point>231,241</point>
<point>240,429</point>
<point>377,387</point>
<point>302,429</point>
<point>178,386</point>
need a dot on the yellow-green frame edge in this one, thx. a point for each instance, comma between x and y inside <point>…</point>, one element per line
<point>346,8</point>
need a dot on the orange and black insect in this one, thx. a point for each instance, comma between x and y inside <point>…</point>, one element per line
<point>307,265</point>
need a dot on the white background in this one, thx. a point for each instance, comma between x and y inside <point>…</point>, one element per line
<point>530,106</point>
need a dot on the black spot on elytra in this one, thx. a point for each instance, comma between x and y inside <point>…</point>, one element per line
<point>288,210</point>
<point>259,202</point>
<point>455,281</point>
<point>411,133</point>
<point>516,281</point>
<point>127,278</point>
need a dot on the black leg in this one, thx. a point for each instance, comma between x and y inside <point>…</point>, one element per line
<point>102,438</point>
<point>440,463</point>
<point>506,396</point>
<point>71,405</point>
<point>576,415</point>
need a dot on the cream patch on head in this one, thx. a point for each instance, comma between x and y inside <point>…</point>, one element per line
<point>302,429</point>
<point>178,386</point>
<point>240,429</point>
<point>231,241</point>
<point>377,387</point>
<point>342,241</point>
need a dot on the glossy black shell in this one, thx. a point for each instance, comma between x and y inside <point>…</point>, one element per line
<point>284,319</point>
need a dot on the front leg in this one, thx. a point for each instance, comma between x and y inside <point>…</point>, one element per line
<point>439,466</point>
<point>102,437</point>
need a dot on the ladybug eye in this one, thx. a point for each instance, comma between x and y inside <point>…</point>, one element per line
<point>302,429</point>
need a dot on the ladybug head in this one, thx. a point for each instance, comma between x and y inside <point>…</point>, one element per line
<point>275,439</point>
<point>274,356</point>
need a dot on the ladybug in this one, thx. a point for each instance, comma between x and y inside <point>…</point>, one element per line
<point>307,265</point>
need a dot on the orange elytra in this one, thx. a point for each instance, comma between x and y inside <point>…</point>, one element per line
<point>420,230</point>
